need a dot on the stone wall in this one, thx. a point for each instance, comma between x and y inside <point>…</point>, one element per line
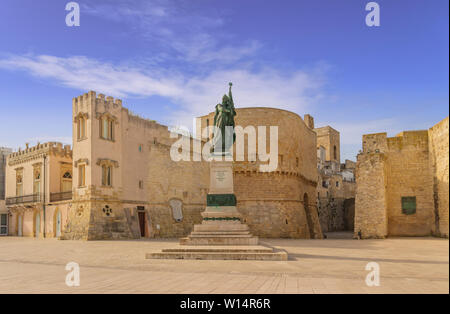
<point>408,174</point>
<point>370,203</point>
<point>184,181</point>
<point>413,164</point>
<point>439,149</point>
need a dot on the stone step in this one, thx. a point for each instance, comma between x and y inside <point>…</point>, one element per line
<point>278,256</point>
<point>220,249</point>
<point>221,233</point>
<point>219,240</point>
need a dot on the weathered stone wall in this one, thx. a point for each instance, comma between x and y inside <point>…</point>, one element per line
<point>411,164</point>
<point>408,174</point>
<point>186,181</point>
<point>370,203</point>
<point>439,150</point>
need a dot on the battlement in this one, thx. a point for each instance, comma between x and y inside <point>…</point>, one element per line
<point>381,143</point>
<point>375,143</point>
<point>90,100</point>
<point>143,122</point>
<point>55,148</point>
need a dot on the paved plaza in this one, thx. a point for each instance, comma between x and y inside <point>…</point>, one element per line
<point>407,265</point>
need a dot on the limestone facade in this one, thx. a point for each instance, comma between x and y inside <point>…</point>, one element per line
<point>402,184</point>
<point>39,189</point>
<point>125,183</point>
<point>4,152</point>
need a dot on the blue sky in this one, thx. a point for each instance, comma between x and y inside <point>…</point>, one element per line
<point>171,61</point>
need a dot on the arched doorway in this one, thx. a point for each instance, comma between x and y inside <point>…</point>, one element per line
<point>20,225</point>
<point>57,223</point>
<point>37,224</point>
<point>308,216</point>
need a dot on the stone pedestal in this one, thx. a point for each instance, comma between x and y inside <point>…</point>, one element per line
<point>221,235</point>
<point>221,220</point>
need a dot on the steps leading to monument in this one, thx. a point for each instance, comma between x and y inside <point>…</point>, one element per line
<point>221,249</point>
<point>221,235</point>
<point>220,253</point>
<point>220,240</point>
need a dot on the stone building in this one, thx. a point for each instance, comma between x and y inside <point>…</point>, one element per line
<point>280,203</point>
<point>402,184</point>
<point>126,185</point>
<point>336,184</point>
<point>4,152</point>
<point>39,189</point>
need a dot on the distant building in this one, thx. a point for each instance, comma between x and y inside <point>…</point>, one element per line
<point>336,183</point>
<point>39,189</point>
<point>4,152</point>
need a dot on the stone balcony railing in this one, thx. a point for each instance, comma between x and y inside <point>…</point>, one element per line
<point>60,196</point>
<point>31,198</point>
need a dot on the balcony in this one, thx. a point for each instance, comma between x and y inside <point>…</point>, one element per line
<point>60,196</point>
<point>31,198</point>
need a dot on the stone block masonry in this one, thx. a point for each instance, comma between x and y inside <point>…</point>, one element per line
<point>402,184</point>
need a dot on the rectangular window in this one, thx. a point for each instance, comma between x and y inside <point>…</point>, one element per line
<point>19,183</point>
<point>337,184</point>
<point>37,187</point>
<point>78,129</point>
<point>81,128</point>
<point>111,129</point>
<point>81,175</point>
<point>105,129</point>
<point>408,205</point>
<point>106,176</point>
<point>141,184</point>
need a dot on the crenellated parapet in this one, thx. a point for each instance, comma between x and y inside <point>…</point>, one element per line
<point>38,151</point>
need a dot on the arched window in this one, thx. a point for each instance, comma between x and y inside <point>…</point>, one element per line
<point>37,181</point>
<point>334,152</point>
<point>66,185</point>
<point>19,184</point>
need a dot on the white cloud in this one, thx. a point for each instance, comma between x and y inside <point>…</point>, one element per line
<point>194,95</point>
<point>180,32</point>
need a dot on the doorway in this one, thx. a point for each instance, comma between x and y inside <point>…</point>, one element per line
<point>58,224</point>
<point>3,224</point>
<point>37,225</point>
<point>309,218</point>
<point>142,222</point>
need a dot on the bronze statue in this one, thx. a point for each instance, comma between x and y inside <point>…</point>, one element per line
<point>223,118</point>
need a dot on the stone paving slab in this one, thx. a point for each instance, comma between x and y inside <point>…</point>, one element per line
<point>407,265</point>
